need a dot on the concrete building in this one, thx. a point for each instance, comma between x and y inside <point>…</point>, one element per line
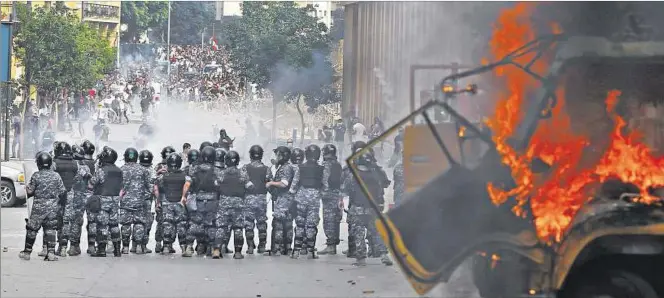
<point>322,11</point>
<point>102,15</point>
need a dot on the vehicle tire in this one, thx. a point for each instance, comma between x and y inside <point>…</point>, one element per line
<point>7,194</point>
<point>613,284</point>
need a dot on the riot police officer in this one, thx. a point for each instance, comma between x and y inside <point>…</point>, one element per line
<point>170,186</point>
<point>66,168</point>
<point>89,150</point>
<point>145,158</point>
<point>233,183</point>
<point>307,183</point>
<point>219,158</point>
<point>255,206</point>
<point>202,180</point>
<point>205,144</point>
<point>281,201</point>
<point>47,188</point>
<point>106,185</point>
<point>136,185</point>
<point>160,169</point>
<point>331,199</point>
<point>297,157</point>
<point>75,206</point>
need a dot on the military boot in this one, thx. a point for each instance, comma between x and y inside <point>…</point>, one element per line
<point>171,249</point>
<point>91,248</point>
<point>125,248</point>
<point>74,249</point>
<point>201,249</point>
<point>208,251</point>
<point>216,253</point>
<point>62,251</point>
<point>140,249</point>
<point>303,252</point>
<point>261,246</point>
<point>50,256</point>
<point>117,251</point>
<point>238,255</point>
<point>329,250</point>
<point>182,248</point>
<point>166,250</point>
<point>158,248</point>
<point>146,250</point>
<point>101,250</point>
<point>25,255</point>
<point>43,252</point>
<point>250,247</point>
<point>385,259</point>
<point>188,251</point>
<point>295,254</point>
<point>133,247</point>
<point>312,255</point>
<point>361,262</point>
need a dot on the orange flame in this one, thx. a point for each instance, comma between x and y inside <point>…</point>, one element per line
<point>555,199</point>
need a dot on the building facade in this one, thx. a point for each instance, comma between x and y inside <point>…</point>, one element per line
<point>323,9</point>
<point>102,15</point>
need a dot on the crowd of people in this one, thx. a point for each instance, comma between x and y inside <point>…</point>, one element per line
<point>201,73</point>
<point>203,196</point>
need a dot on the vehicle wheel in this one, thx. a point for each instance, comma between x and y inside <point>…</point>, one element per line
<point>7,194</point>
<point>613,284</point>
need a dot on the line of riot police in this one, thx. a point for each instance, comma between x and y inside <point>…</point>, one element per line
<point>202,203</point>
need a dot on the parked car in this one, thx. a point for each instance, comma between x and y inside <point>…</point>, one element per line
<point>12,189</point>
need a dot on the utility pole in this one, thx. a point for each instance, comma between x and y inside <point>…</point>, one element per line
<point>168,42</point>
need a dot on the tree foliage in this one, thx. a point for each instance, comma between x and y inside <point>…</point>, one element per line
<point>139,16</point>
<point>283,48</point>
<point>59,50</point>
<point>188,19</point>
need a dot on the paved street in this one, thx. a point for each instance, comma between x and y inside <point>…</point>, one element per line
<point>174,276</point>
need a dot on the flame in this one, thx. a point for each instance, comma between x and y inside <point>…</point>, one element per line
<point>554,198</point>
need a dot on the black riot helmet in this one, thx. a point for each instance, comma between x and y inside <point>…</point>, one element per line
<point>62,149</point>
<point>78,152</point>
<point>329,152</point>
<point>88,147</point>
<point>208,154</point>
<point>216,145</point>
<point>365,159</point>
<point>145,158</point>
<point>131,155</point>
<point>283,154</point>
<point>109,155</point>
<point>166,151</point>
<point>219,157</point>
<point>357,146</point>
<point>312,153</point>
<point>232,159</point>
<point>192,156</point>
<point>173,162</point>
<point>44,160</point>
<point>203,145</point>
<point>256,152</point>
<point>55,149</point>
<point>297,156</point>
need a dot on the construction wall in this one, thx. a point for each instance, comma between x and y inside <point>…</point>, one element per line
<point>383,39</point>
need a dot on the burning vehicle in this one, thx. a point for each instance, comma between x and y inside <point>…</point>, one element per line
<point>564,198</point>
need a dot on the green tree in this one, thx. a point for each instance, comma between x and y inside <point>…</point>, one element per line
<point>282,48</point>
<point>188,19</point>
<point>58,50</point>
<point>139,16</point>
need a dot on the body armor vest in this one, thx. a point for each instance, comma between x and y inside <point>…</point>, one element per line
<point>66,168</point>
<point>357,198</point>
<point>257,178</point>
<point>334,181</point>
<point>113,183</point>
<point>311,175</point>
<point>232,185</point>
<point>205,178</point>
<point>91,164</point>
<point>82,184</point>
<point>173,184</point>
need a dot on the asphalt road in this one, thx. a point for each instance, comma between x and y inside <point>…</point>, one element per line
<point>173,276</point>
